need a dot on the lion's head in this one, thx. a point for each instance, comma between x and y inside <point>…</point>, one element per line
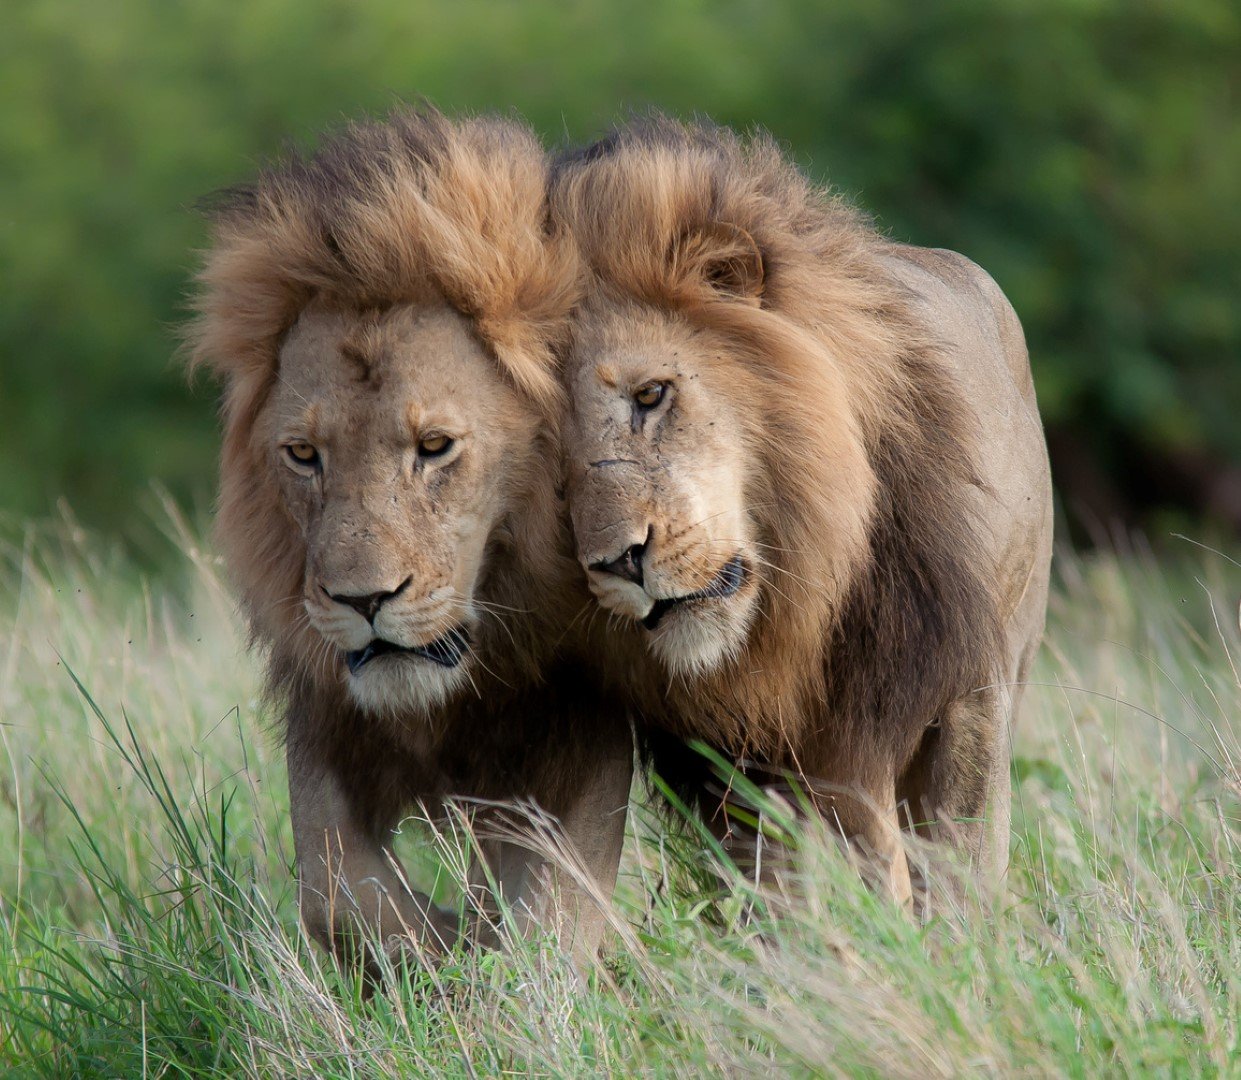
<point>398,450</point>
<point>717,461</point>
<point>764,455</point>
<point>383,315</point>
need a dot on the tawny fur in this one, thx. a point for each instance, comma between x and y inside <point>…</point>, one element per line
<point>418,210</point>
<point>878,605</point>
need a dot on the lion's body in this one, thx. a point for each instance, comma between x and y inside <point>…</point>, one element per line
<point>383,315</point>
<point>832,531</point>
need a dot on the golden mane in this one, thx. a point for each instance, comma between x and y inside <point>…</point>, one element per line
<point>862,437</point>
<point>415,208</point>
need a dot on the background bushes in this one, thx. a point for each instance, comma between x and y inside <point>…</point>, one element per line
<point>1086,152</point>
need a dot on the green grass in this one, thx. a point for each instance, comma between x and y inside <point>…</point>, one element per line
<point>146,896</point>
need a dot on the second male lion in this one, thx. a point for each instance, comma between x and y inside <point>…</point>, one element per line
<point>807,471</point>
<point>383,316</point>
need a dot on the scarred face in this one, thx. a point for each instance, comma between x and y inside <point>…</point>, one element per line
<point>659,466</point>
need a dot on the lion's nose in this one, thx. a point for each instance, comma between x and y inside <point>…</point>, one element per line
<point>628,565</point>
<point>368,605</point>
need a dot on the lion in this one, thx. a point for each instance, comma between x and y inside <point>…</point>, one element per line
<point>808,480</point>
<point>384,315</point>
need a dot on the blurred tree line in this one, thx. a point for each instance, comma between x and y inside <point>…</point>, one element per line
<point>1086,152</point>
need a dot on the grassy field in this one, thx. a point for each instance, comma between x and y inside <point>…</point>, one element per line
<point>145,889</point>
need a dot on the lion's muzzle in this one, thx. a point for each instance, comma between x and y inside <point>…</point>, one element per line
<point>726,583</point>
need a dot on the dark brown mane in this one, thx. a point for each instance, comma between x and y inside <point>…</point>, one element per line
<point>894,619</point>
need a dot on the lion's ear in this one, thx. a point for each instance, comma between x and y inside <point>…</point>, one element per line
<point>722,256</point>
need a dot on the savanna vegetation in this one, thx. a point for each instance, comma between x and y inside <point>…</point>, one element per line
<point>151,929</point>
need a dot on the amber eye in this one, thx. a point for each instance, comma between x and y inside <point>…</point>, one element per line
<point>650,395</point>
<point>302,453</point>
<point>434,445</point>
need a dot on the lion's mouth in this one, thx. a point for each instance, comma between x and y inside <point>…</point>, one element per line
<point>446,651</point>
<point>730,578</point>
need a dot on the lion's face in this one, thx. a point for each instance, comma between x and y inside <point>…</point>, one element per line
<point>394,441</point>
<point>661,467</point>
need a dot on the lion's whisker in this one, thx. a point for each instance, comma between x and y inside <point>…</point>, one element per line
<point>587,608</point>
<point>479,661</point>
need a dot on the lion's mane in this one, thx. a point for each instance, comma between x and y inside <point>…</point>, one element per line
<point>864,639</point>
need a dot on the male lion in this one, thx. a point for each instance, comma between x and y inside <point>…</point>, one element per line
<point>807,469</point>
<point>383,316</point>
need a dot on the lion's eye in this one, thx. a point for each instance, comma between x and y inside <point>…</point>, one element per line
<point>302,453</point>
<point>650,394</point>
<point>434,445</point>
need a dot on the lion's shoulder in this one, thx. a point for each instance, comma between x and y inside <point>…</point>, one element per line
<point>963,304</point>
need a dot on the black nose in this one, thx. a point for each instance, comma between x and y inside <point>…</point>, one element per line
<point>628,566</point>
<point>368,606</point>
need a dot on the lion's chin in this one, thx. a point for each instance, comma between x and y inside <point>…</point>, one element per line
<point>395,685</point>
<point>694,642</point>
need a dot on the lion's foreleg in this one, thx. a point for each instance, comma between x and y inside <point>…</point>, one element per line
<point>868,820</point>
<point>957,788</point>
<point>861,814</point>
<point>351,889</point>
<point>595,828</point>
<point>558,874</point>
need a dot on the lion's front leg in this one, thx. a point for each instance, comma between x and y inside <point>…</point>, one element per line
<point>351,889</point>
<point>867,819</point>
<point>558,874</point>
<point>861,813</point>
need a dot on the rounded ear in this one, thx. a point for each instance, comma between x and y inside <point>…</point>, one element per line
<point>723,257</point>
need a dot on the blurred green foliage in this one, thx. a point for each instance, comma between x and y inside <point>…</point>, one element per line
<point>1086,152</point>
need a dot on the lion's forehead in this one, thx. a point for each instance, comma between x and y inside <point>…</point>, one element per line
<point>614,355</point>
<point>386,377</point>
<point>624,326</point>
